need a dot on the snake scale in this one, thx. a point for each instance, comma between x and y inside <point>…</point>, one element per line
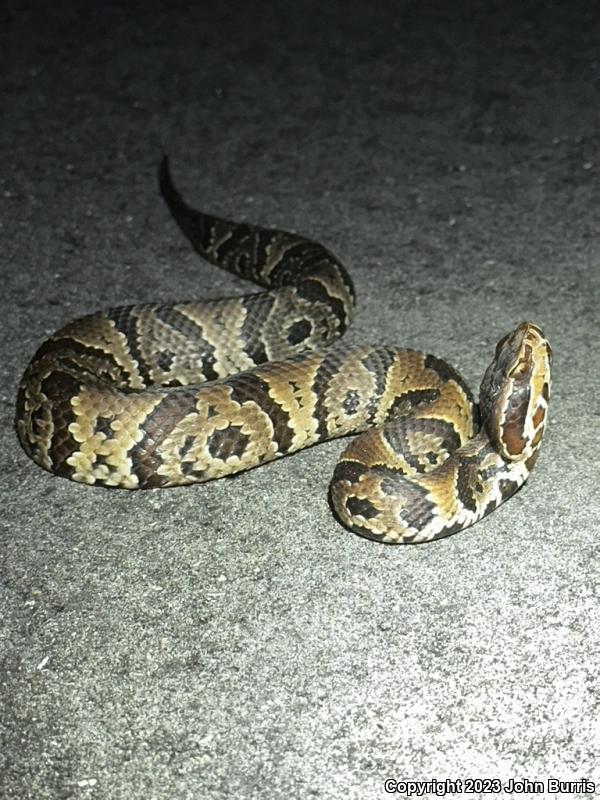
<point>160,395</point>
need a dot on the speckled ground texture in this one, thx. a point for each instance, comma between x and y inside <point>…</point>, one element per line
<point>231,639</point>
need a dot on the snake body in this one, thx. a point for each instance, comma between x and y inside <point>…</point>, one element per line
<point>162,395</point>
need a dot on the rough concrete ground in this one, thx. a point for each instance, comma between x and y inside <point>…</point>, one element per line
<point>232,640</point>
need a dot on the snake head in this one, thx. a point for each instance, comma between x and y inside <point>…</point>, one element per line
<point>515,392</point>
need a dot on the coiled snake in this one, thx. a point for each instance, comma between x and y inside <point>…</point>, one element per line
<point>168,394</point>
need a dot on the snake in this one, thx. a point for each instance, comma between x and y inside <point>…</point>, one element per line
<point>157,395</point>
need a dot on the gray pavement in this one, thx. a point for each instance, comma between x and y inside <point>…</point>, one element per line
<point>232,640</point>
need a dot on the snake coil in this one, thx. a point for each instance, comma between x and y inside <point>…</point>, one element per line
<point>161,395</point>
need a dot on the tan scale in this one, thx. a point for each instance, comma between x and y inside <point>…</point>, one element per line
<point>221,327</point>
<point>351,376</point>
<point>291,389</point>
<point>92,404</point>
<point>216,411</point>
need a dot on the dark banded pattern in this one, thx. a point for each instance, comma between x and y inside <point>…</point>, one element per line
<point>160,395</point>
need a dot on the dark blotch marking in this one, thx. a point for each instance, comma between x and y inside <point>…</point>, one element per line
<point>351,402</point>
<point>404,403</point>
<point>59,387</point>
<point>360,507</point>
<point>514,423</point>
<point>258,309</point>
<point>530,463</point>
<point>417,509</point>
<point>349,471</point>
<point>103,426</point>
<point>251,388</point>
<point>242,252</point>
<point>546,392</point>
<point>445,371</point>
<point>233,251</point>
<point>378,363</point>
<point>299,331</point>
<point>464,481</point>
<point>126,323</point>
<point>208,366</point>
<point>187,469</point>
<point>231,441</point>
<point>187,445</point>
<point>507,488</point>
<point>308,257</point>
<point>315,292</point>
<point>65,346</point>
<point>37,419</point>
<point>302,257</point>
<point>538,416</point>
<point>158,426</point>
<point>82,359</point>
<point>397,434</point>
<point>192,332</point>
<point>165,359</point>
<point>393,482</point>
<point>492,504</point>
<point>329,366</point>
<point>101,460</point>
<point>537,438</point>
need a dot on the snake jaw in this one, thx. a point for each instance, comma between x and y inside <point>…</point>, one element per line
<point>515,393</point>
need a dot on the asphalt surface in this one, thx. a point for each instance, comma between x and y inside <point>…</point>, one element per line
<point>232,639</point>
